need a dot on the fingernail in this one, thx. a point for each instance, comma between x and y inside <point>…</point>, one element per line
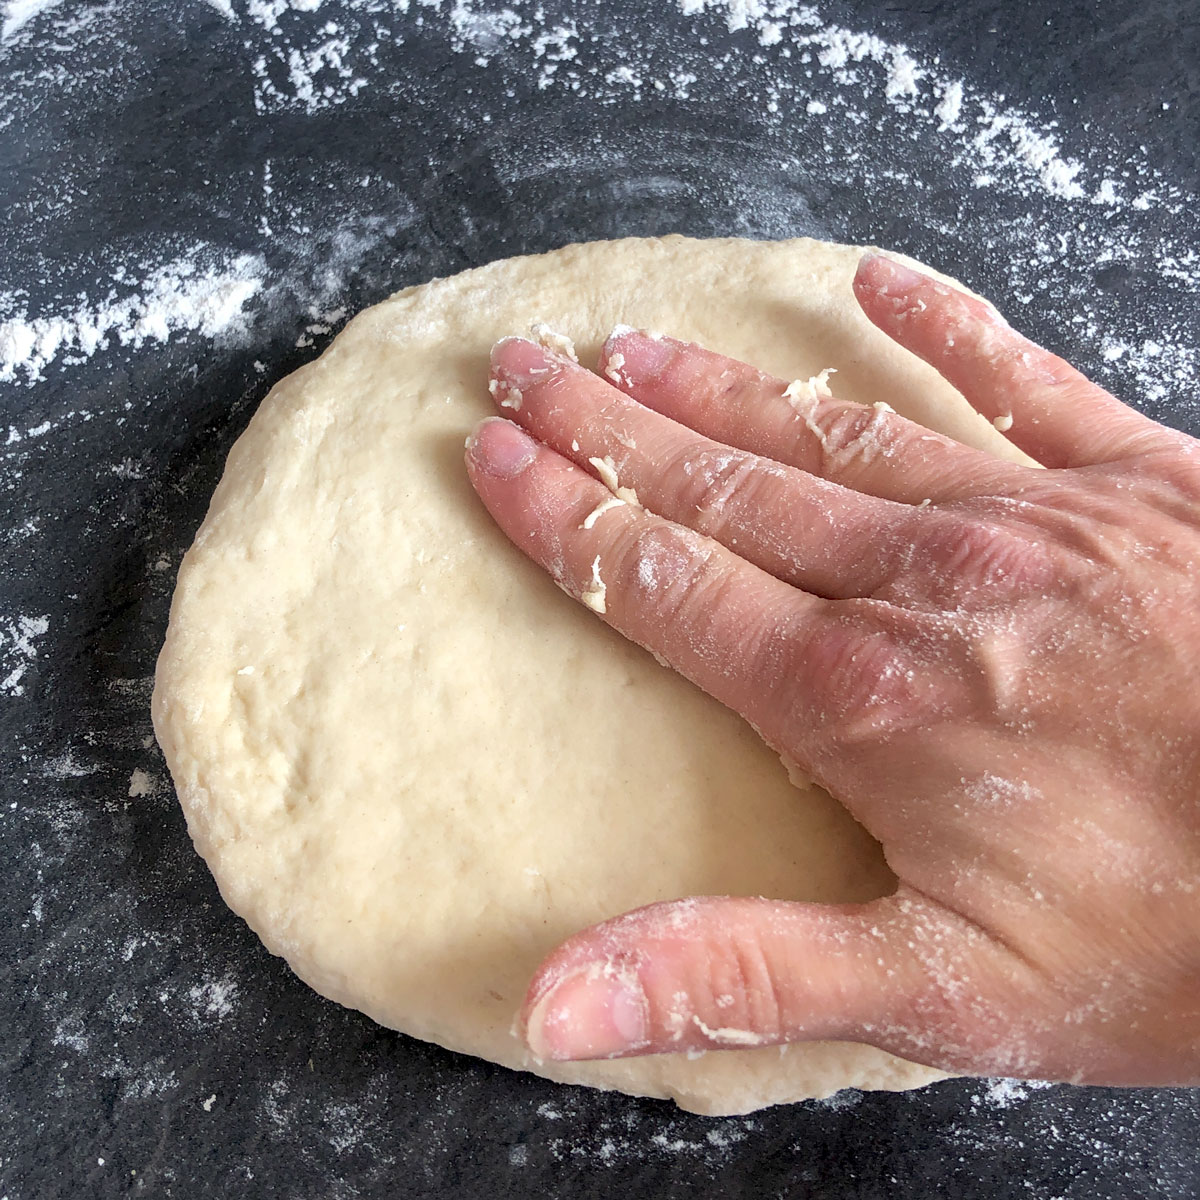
<point>519,363</point>
<point>500,448</point>
<point>889,275</point>
<point>593,1013</point>
<point>643,356</point>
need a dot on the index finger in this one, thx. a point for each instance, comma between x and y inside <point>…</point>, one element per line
<point>758,645</point>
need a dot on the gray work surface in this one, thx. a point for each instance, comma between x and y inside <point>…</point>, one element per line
<point>318,157</point>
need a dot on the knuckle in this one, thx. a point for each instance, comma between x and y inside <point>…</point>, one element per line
<point>744,992</point>
<point>761,991</point>
<point>1173,467</point>
<point>861,682</point>
<point>668,568</point>
<point>715,482</point>
<point>847,434</point>
<point>845,426</point>
<point>974,555</point>
<point>737,997</point>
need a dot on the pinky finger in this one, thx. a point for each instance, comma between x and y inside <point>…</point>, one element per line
<point>1044,405</point>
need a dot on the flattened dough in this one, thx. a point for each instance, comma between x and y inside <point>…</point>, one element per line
<point>413,764</point>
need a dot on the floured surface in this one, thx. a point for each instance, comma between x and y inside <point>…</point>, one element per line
<point>413,765</point>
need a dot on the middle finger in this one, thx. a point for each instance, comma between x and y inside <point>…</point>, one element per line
<point>827,539</point>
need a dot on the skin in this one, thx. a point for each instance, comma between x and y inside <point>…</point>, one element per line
<point>993,666</point>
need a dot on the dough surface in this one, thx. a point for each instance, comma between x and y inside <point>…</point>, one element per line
<point>412,764</point>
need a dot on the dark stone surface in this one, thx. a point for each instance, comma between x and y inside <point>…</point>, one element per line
<point>142,1024</point>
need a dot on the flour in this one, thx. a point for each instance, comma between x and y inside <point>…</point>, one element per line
<point>1151,362</point>
<point>1006,1093</point>
<point>948,109</point>
<point>180,296</point>
<point>18,13</point>
<point>740,14</point>
<point>69,766</point>
<point>485,30</point>
<point>70,1032</point>
<point>1006,138</point>
<point>18,648</point>
<point>148,1084</point>
<point>990,791</point>
<point>268,12</point>
<point>213,997</point>
<point>306,66</point>
<point>141,783</point>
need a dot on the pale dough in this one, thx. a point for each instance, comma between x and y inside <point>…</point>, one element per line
<point>411,762</point>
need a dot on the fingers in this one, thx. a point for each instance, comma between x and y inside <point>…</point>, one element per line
<point>732,629</point>
<point>870,449</point>
<point>819,536</point>
<point>1043,404</point>
<point>718,973</point>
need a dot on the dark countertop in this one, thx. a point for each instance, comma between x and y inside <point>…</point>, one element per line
<point>150,1046</point>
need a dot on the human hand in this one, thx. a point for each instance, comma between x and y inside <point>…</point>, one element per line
<point>996,668</point>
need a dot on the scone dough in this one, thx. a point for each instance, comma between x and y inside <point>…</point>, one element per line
<point>412,763</point>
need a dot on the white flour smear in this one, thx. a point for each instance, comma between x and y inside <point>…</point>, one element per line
<point>16,14</point>
<point>176,297</point>
<point>18,648</point>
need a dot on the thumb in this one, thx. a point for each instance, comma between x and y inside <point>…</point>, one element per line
<point>720,972</point>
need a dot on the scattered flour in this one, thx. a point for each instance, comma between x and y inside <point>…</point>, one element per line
<point>141,783</point>
<point>18,649</point>
<point>213,997</point>
<point>948,109</point>
<point>182,295</point>
<point>70,1032</point>
<point>307,56</point>
<point>485,30</point>
<point>147,1084</point>
<point>68,766</point>
<point>994,792</point>
<point>1007,1093</point>
<point>1006,137</point>
<point>740,14</point>
<point>1154,364</point>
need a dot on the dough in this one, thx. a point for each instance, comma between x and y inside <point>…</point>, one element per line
<point>412,763</point>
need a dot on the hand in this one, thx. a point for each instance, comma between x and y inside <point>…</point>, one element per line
<point>995,667</point>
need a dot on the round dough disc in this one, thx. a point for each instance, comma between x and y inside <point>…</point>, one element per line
<point>413,764</point>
